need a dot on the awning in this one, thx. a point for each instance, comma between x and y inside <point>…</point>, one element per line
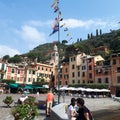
<point>13,85</point>
<point>28,87</point>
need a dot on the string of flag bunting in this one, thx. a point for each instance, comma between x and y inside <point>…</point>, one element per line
<point>57,20</point>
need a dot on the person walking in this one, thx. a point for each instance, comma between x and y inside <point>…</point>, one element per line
<point>49,102</point>
<point>83,112</point>
<point>71,110</point>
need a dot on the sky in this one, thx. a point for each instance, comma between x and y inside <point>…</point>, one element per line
<point>26,24</point>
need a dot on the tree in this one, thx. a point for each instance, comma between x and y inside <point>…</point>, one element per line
<point>32,56</point>
<point>97,32</point>
<point>64,42</point>
<point>15,59</point>
<point>6,57</point>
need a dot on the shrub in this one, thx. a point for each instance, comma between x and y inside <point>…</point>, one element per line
<point>8,100</point>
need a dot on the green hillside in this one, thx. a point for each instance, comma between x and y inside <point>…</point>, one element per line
<point>111,40</point>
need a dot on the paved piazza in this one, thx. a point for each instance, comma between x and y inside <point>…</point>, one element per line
<point>94,104</point>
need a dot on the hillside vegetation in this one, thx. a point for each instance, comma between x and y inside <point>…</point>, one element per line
<point>110,40</point>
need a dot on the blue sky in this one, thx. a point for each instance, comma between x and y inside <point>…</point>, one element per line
<point>25,24</point>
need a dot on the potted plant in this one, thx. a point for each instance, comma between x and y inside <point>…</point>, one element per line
<point>8,100</point>
<point>26,111</point>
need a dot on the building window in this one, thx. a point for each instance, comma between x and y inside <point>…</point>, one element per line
<point>118,79</point>
<point>2,67</point>
<point>78,67</point>
<point>106,80</point>
<point>13,70</point>
<point>90,75</point>
<point>83,81</point>
<point>33,72</point>
<point>114,61</point>
<point>78,81</point>
<point>38,67</point>
<point>61,76</point>
<point>67,76</point>
<point>33,79</point>
<point>28,79</point>
<point>74,58</point>
<point>90,67</point>
<point>73,66</point>
<point>106,72</point>
<point>29,71</point>
<point>73,74</point>
<point>79,74</point>
<point>18,79</point>
<point>66,83</point>
<point>18,71</point>
<point>73,81</point>
<point>83,67</point>
<point>118,69</point>
<point>99,80</point>
<point>2,76</point>
<point>66,70</point>
<point>83,74</point>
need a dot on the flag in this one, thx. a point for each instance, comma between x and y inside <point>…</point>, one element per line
<point>55,29</point>
<point>68,34</point>
<point>60,13</point>
<point>61,19</point>
<point>70,39</point>
<point>66,29</point>
<point>54,3</point>
<point>62,25</point>
<point>56,8</point>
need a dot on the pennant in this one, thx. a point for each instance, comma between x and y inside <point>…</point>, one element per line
<point>55,29</point>
<point>61,19</point>
<point>60,13</point>
<point>68,34</point>
<point>70,38</point>
<point>62,25</point>
<point>56,8</point>
<point>54,3</point>
<point>66,29</point>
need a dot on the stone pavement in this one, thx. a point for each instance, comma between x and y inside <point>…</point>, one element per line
<point>94,105</point>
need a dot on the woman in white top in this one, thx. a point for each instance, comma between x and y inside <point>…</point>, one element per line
<point>71,110</point>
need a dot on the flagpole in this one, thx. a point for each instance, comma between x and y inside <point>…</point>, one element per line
<point>58,56</point>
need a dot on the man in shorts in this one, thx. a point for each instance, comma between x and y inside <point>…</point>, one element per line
<point>49,102</point>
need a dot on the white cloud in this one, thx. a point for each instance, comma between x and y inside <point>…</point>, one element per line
<point>91,23</point>
<point>74,23</point>
<point>5,50</point>
<point>32,34</point>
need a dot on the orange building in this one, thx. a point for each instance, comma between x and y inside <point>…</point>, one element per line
<point>115,82</point>
<point>101,48</point>
<point>16,73</point>
<point>64,77</point>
